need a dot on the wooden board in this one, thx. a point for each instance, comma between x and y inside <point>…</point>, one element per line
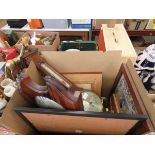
<point>124,42</point>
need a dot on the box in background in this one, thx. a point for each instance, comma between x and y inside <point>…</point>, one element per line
<point>53,47</point>
<point>97,23</point>
<point>116,39</point>
<point>79,44</point>
<point>56,23</point>
<point>81,23</point>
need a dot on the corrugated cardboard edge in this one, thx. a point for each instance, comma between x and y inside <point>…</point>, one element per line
<point>9,118</point>
<point>143,93</point>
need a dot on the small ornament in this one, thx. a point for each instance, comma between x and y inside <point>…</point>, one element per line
<point>34,39</point>
<point>45,102</point>
<point>9,91</point>
<point>3,103</point>
<point>8,82</point>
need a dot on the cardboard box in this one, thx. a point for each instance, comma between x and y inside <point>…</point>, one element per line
<point>97,23</point>
<point>53,47</point>
<point>117,39</point>
<point>76,62</point>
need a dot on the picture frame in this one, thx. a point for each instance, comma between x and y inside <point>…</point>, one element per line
<point>126,92</point>
<point>130,76</point>
<point>52,121</point>
<point>87,81</point>
<point>114,107</point>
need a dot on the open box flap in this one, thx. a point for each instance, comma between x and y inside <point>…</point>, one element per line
<point>53,47</point>
<point>148,104</point>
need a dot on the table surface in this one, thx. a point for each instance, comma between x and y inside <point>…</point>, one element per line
<point>26,27</point>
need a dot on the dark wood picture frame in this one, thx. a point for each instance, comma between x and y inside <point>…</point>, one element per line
<point>131,86</point>
<point>24,113</point>
<point>145,126</point>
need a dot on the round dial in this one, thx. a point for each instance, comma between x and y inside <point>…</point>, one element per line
<point>91,102</point>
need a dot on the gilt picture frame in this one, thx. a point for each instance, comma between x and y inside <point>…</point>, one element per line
<point>87,81</point>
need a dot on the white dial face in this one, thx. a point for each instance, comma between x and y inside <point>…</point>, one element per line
<point>91,102</point>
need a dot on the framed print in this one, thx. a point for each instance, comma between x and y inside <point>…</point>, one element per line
<point>87,81</point>
<point>77,122</point>
<point>126,93</point>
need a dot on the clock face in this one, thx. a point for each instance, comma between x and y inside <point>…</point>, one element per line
<point>91,102</point>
